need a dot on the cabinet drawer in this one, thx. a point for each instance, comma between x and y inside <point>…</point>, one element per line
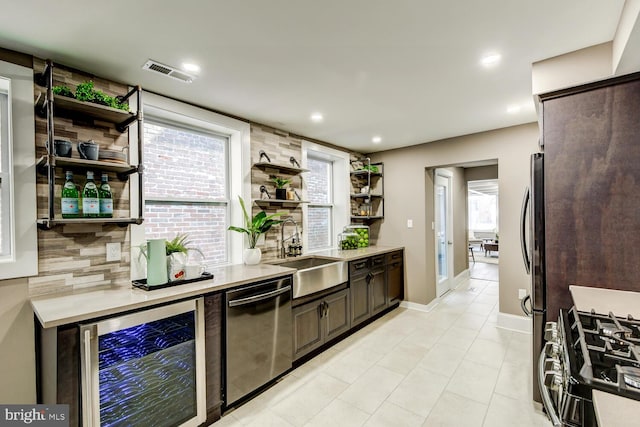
<point>393,257</point>
<point>377,261</point>
<point>357,268</point>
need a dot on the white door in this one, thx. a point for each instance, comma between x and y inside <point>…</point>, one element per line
<point>443,232</point>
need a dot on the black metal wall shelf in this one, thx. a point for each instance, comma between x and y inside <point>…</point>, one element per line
<point>87,112</point>
<point>267,167</point>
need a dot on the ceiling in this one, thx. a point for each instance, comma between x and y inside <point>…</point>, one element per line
<point>488,187</point>
<point>408,71</point>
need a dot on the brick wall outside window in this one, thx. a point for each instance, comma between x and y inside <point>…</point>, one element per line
<point>183,164</point>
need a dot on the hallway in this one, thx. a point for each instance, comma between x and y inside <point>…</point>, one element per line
<point>448,367</point>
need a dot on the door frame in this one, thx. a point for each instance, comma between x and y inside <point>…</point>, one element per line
<point>444,286</point>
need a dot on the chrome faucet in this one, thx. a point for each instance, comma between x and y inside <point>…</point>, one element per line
<point>295,238</point>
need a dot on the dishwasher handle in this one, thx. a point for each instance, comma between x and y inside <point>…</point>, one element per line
<point>260,297</point>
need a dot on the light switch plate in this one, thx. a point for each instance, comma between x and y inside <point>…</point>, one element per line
<point>113,252</point>
<point>409,223</point>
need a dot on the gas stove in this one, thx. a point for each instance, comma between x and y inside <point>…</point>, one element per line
<point>586,351</point>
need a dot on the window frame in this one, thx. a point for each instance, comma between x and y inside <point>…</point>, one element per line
<point>341,199</point>
<point>169,111</point>
<point>21,182</point>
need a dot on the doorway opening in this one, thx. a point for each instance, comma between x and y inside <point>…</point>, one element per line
<point>483,228</point>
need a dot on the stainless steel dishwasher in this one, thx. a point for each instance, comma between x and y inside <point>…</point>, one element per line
<point>258,336</point>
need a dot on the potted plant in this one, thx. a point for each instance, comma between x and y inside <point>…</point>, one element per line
<point>254,228</point>
<point>176,251</point>
<point>280,183</point>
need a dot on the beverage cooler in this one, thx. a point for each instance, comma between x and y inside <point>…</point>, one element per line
<point>145,368</point>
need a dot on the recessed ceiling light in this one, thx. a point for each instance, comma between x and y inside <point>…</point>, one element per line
<point>316,117</point>
<point>513,109</point>
<point>192,68</point>
<point>490,60</point>
<point>376,140</point>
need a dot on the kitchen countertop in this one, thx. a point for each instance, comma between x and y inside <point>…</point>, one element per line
<point>611,410</point>
<point>621,303</point>
<point>77,306</point>
<point>60,309</point>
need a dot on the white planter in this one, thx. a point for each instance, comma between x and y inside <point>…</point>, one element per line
<point>175,266</point>
<point>252,256</point>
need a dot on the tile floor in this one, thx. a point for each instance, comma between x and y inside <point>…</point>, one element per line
<point>449,367</point>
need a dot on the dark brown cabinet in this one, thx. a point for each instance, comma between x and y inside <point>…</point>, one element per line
<point>360,291</point>
<point>378,284</point>
<point>213,352</point>
<point>319,321</point>
<point>395,277</point>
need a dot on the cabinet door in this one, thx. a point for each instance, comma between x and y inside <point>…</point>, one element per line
<point>213,351</point>
<point>395,282</point>
<point>360,307</point>
<point>308,331</point>
<point>378,290</point>
<point>338,316</point>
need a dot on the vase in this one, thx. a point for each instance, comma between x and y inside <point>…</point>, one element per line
<point>252,256</point>
<point>281,193</point>
<point>156,262</point>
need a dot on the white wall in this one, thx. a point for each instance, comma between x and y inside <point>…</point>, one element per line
<point>407,189</point>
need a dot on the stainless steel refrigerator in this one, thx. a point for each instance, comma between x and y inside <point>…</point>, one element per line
<point>583,213</point>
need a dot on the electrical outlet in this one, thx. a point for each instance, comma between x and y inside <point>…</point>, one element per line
<point>522,293</point>
<point>113,252</point>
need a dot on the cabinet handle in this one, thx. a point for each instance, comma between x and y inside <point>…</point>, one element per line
<point>395,264</point>
<point>326,308</point>
<point>378,261</point>
<point>360,266</point>
<point>394,256</point>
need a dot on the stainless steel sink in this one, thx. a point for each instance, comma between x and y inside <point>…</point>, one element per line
<point>315,274</point>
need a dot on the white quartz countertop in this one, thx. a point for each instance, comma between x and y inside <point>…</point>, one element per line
<point>620,303</point>
<point>613,410</point>
<point>78,306</point>
<point>59,309</point>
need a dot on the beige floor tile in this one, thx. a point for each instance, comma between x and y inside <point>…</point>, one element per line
<point>424,336</point>
<point>371,389</point>
<point>442,319</point>
<point>493,333</point>
<point>515,381</point>
<point>269,419</point>
<point>351,364</point>
<point>480,308</point>
<point>309,399</point>
<point>453,410</point>
<point>403,358</point>
<point>442,359</point>
<point>471,321</point>
<point>458,337</point>
<point>487,352</point>
<point>339,414</point>
<point>474,381</point>
<point>506,412</point>
<point>487,299</point>
<point>419,391</point>
<point>390,415</point>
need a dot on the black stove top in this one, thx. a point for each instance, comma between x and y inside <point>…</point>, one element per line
<point>603,351</point>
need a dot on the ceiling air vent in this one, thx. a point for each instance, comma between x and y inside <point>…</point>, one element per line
<point>167,70</point>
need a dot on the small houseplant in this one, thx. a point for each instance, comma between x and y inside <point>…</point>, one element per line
<point>176,251</point>
<point>280,183</point>
<point>254,228</point>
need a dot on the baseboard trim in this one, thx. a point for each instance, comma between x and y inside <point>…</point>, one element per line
<point>426,308</point>
<point>465,275</point>
<point>514,323</point>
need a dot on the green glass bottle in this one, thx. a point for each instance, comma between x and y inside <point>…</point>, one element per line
<point>90,198</point>
<point>106,198</point>
<point>69,199</point>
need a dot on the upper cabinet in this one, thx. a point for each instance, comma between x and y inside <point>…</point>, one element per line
<point>105,116</point>
<point>367,195</point>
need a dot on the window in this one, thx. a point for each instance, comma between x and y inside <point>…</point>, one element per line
<point>5,175</point>
<point>186,187</point>
<point>320,210</point>
<point>483,205</point>
<point>18,256</point>
<point>327,190</point>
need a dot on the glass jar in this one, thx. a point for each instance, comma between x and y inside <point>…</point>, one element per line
<point>361,232</point>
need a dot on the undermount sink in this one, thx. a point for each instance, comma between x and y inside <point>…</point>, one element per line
<point>315,274</point>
